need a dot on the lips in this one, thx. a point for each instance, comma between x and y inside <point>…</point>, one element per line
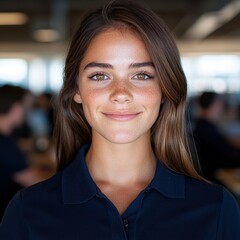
<point>118,116</point>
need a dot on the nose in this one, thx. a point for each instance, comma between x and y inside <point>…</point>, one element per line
<point>121,93</point>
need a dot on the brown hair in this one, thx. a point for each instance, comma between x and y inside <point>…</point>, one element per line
<point>168,132</point>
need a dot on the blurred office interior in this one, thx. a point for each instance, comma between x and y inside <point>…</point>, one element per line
<point>34,37</point>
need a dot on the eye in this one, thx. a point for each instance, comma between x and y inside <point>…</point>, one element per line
<point>99,77</point>
<point>142,76</point>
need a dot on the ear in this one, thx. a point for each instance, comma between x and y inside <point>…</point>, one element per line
<point>77,98</point>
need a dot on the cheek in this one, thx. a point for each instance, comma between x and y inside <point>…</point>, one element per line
<point>92,97</point>
<point>152,97</point>
<point>91,100</point>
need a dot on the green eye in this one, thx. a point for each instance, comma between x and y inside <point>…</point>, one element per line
<point>99,77</point>
<point>142,76</point>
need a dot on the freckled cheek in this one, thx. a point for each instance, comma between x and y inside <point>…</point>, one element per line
<point>151,97</point>
<point>94,98</point>
<point>91,99</point>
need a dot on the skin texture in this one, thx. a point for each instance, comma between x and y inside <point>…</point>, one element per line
<point>121,98</point>
<point>122,107</point>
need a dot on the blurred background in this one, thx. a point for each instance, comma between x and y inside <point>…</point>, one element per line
<point>34,38</point>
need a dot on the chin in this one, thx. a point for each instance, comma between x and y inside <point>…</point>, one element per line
<point>122,138</point>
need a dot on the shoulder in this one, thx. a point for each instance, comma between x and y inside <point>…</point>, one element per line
<point>197,188</point>
<point>33,201</point>
<point>7,144</point>
<point>12,158</point>
<point>229,218</point>
<point>206,191</point>
<point>7,140</point>
<point>217,200</point>
<point>45,190</point>
<point>209,194</point>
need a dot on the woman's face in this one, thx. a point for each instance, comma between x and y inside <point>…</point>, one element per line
<point>118,87</point>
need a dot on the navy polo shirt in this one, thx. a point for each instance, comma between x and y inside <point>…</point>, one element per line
<point>69,206</point>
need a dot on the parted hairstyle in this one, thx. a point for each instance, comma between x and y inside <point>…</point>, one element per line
<point>168,134</point>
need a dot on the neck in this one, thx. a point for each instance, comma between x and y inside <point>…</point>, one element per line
<point>121,164</point>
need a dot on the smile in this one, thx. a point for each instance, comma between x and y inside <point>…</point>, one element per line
<point>121,116</point>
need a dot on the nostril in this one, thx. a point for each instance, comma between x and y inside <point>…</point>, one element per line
<point>121,100</point>
<point>121,96</point>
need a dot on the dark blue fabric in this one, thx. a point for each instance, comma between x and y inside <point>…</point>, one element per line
<point>214,150</point>
<point>12,160</point>
<point>69,206</point>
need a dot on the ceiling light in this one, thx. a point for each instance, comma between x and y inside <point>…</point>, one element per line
<point>206,24</point>
<point>211,21</point>
<point>14,18</point>
<point>46,35</point>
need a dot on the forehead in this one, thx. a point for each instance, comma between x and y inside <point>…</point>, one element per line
<point>116,43</point>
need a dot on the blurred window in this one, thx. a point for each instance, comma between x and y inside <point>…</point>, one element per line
<point>220,73</point>
<point>56,74</point>
<point>13,71</point>
<point>37,81</point>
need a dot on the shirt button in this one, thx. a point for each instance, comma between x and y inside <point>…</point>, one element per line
<point>125,223</point>
<point>98,195</point>
<point>147,190</point>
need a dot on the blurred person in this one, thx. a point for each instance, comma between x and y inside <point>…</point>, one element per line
<point>124,165</point>
<point>214,149</point>
<point>44,104</point>
<point>12,159</point>
<point>40,120</point>
<point>40,117</point>
<point>14,102</point>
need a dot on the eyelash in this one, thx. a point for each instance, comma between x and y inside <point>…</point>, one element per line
<point>149,76</point>
<point>106,77</point>
<point>99,74</point>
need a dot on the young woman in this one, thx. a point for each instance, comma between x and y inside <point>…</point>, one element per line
<point>122,104</point>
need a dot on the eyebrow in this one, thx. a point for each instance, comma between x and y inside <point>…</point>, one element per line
<point>107,65</point>
<point>101,65</point>
<point>142,64</point>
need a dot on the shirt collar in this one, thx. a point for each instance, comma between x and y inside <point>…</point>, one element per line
<point>79,187</point>
<point>77,183</point>
<point>167,182</point>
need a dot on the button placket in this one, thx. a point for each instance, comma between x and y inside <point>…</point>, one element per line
<point>125,223</point>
